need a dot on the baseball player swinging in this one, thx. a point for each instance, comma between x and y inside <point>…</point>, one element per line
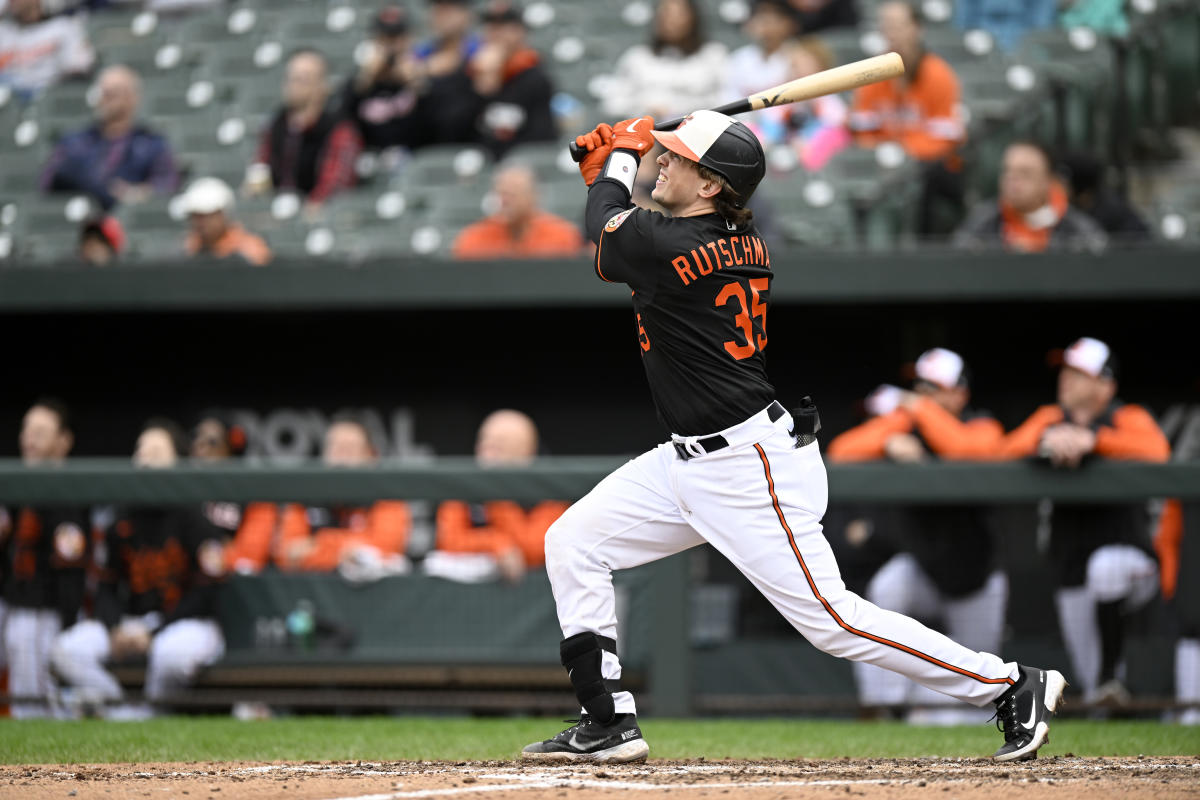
<point>738,471</point>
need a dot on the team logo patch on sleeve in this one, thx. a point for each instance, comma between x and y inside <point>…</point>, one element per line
<point>69,541</point>
<point>617,219</point>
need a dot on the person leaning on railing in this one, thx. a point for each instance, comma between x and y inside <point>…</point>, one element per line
<point>1101,554</point>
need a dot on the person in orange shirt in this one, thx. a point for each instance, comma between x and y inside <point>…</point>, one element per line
<point>213,233</point>
<point>1031,213</point>
<point>325,539</point>
<point>1101,554</point>
<point>512,534</point>
<point>947,565</point>
<point>919,110</point>
<point>519,229</point>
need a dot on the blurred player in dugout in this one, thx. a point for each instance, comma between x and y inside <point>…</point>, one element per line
<point>357,540</point>
<point>43,553</point>
<point>156,573</point>
<point>1101,554</point>
<point>946,565</point>
<point>511,535</point>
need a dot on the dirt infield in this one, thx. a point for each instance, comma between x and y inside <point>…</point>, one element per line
<point>1060,778</point>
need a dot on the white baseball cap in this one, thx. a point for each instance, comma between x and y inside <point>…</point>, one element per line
<point>1091,356</point>
<point>941,367</point>
<point>207,195</point>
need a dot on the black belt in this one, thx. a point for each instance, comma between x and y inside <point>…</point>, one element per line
<point>711,444</point>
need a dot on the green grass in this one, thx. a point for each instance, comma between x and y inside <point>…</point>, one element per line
<point>458,738</point>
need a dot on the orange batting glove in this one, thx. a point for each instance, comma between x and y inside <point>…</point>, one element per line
<point>634,134</point>
<point>598,143</point>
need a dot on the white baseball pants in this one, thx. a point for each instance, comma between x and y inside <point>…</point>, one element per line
<point>759,501</point>
<point>975,620</point>
<point>28,636</point>
<point>177,652</point>
<point>1114,572</point>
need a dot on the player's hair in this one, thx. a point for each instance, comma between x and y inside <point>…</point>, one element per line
<point>726,202</point>
<point>59,409</point>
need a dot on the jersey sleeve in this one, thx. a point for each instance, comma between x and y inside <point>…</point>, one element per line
<point>953,439</point>
<point>866,442</point>
<point>1134,435</point>
<point>1023,442</point>
<point>625,235</point>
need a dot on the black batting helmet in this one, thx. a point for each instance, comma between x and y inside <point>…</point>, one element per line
<point>723,145</point>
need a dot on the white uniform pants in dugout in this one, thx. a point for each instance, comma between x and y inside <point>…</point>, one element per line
<point>759,501</point>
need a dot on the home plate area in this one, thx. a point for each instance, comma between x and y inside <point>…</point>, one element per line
<point>1059,778</point>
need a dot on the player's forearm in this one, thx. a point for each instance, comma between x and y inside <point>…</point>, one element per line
<point>609,195</point>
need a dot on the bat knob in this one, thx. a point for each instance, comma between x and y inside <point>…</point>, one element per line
<point>577,153</point>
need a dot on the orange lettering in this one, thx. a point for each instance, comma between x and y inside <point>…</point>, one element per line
<point>747,249</point>
<point>703,270</point>
<point>681,265</point>
<point>706,261</point>
<point>724,245</point>
<point>758,250</point>
<point>716,256</point>
<point>734,243</point>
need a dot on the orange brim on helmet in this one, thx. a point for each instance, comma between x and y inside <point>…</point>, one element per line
<point>722,144</point>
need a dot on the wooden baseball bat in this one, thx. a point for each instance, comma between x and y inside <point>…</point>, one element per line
<point>838,79</point>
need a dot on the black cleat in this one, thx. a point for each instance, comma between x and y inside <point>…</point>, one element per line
<point>1023,713</point>
<point>618,742</point>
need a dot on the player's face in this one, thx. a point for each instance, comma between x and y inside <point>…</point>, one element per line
<point>1079,391</point>
<point>211,442</point>
<point>42,437</point>
<point>953,399</point>
<point>155,449</point>
<point>347,445</point>
<point>678,183</point>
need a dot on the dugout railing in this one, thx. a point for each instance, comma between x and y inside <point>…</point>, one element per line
<point>504,655</point>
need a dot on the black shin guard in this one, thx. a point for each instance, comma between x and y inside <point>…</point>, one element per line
<point>582,655</point>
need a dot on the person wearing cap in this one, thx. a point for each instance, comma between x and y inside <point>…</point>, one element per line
<point>442,64</point>
<point>921,111</point>
<point>212,232</point>
<point>946,567</point>
<point>1101,553</point>
<point>1031,213</point>
<point>116,159</point>
<point>738,470</point>
<point>306,148</point>
<point>101,241</point>
<point>519,228</point>
<point>383,97</point>
<point>512,88</point>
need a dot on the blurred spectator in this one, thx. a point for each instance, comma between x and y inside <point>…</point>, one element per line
<point>763,62</point>
<point>213,234</point>
<point>677,73</point>
<point>947,568</point>
<point>382,98</point>
<point>45,551</point>
<point>306,148</point>
<point>116,159</point>
<point>510,533</point>
<point>38,50</point>
<point>1091,195</point>
<point>158,572</point>
<point>921,111</point>
<point>1101,554</point>
<point>1031,214</point>
<point>324,539</point>
<point>442,61</point>
<point>513,88</point>
<point>519,228</point>
<point>818,15</point>
<point>1006,20</point>
<point>101,241</point>
<point>217,438</point>
<point>815,129</point>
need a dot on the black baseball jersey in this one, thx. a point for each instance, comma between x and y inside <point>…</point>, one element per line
<point>165,560</point>
<point>700,295</point>
<point>45,552</point>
